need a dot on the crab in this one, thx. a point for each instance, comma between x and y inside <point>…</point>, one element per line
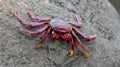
<point>58,29</point>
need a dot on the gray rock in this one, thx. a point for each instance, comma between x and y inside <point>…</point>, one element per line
<point>98,16</point>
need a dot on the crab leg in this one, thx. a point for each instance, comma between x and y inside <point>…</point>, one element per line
<point>86,53</point>
<point>75,24</point>
<point>88,38</point>
<point>78,20</point>
<point>28,24</point>
<point>37,18</point>
<point>72,47</point>
<point>34,32</point>
<point>43,38</point>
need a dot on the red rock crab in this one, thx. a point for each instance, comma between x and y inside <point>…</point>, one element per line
<point>58,29</point>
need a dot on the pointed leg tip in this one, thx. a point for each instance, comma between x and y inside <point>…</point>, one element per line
<point>92,37</point>
<point>86,53</point>
<point>20,29</point>
<point>73,14</point>
<point>28,11</point>
<point>71,53</point>
<point>95,35</point>
<point>15,13</point>
<point>38,46</point>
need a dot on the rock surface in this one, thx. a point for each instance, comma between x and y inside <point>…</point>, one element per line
<point>98,16</point>
<point>116,4</point>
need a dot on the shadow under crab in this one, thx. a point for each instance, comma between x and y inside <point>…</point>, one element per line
<point>58,28</point>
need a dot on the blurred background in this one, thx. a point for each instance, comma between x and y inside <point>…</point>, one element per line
<point>116,4</point>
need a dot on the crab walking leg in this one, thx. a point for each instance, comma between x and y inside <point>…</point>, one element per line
<point>86,53</point>
<point>75,24</point>
<point>72,47</point>
<point>28,24</point>
<point>34,32</point>
<point>78,20</point>
<point>43,38</point>
<point>88,38</point>
<point>37,18</point>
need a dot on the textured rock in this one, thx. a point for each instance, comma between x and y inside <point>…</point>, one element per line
<point>98,16</point>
